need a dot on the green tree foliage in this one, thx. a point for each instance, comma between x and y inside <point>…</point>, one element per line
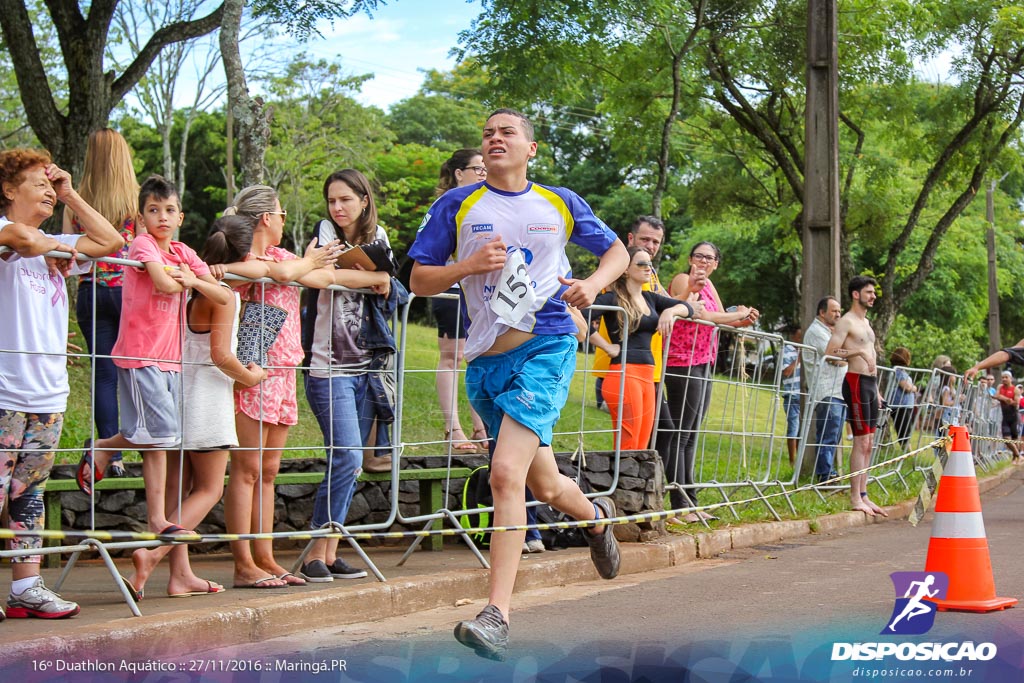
<point>913,155</point>
<point>437,121</point>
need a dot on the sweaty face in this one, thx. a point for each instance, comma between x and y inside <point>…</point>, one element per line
<point>647,238</point>
<point>506,145</point>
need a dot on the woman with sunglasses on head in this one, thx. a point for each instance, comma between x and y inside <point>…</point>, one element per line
<point>643,313</point>
<point>264,413</point>
<point>464,167</point>
<point>691,362</point>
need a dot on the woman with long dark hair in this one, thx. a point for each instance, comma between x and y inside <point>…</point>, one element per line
<point>350,351</point>
<point>691,361</point>
<point>464,167</point>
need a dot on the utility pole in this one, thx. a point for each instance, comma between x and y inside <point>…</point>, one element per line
<point>821,161</point>
<point>994,343</point>
<point>820,275</point>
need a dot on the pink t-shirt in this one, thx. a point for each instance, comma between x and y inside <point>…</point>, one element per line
<point>151,322</point>
<point>694,344</point>
<point>286,351</point>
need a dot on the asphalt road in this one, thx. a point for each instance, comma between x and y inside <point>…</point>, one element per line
<point>768,613</point>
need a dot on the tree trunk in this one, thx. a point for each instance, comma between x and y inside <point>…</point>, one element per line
<point>92,91</point>
<point>251,116</point>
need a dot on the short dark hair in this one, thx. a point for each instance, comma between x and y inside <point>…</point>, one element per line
<point>157,187</point>
<point>823,303</point>
<point>527,124</point>
<point>859,282</point>
<point>652,221</point>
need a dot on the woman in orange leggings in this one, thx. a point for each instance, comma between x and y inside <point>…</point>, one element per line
<point>643,314</point>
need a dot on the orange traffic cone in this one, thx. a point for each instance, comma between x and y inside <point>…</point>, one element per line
<point>958,545</point>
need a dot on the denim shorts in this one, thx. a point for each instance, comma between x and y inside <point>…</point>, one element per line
<point>529,383</point>
<point>150,404</point>
<point>791,404</point>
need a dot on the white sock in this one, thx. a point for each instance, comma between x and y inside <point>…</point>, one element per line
<point>19,586</point>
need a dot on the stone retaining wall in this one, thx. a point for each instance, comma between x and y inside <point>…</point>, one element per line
<point>641,487</point>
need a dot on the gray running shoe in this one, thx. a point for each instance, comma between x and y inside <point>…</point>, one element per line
<point>487,635</point>
<point>342,570</point>
<point>39,601</point>
<point>316,572</point>
<point>604,549</point>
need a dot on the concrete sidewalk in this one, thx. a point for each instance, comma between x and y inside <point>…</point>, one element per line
<point>170,627</point>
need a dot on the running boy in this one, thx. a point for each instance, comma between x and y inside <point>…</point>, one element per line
<point>507,237</point>
<point>148,348</point>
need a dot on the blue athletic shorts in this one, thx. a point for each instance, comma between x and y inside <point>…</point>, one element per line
<point>530,384</point>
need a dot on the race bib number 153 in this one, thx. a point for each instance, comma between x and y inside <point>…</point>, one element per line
<point>515,294</point>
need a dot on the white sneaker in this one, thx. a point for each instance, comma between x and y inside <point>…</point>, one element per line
<point>534,546</point>
<point>40,602</point>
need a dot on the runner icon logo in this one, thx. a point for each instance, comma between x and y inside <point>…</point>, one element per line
<point>913,614</point>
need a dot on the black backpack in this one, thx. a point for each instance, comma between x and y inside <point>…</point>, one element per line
<point>556,539</point>
<point>476,493</point>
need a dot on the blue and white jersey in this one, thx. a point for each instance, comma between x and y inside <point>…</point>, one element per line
<point>538,221</point>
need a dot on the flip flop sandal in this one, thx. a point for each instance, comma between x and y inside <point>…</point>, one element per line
<point>211,588</point>
<point>86,465</point>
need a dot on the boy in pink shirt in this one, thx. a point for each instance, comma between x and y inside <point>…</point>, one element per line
<point>148,349</point>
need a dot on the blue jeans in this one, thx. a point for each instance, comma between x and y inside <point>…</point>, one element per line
<point>791,407</point>
<point>345,417</point>
<point>108,323</point>
<point>829,414</point>
<point>531,517</point>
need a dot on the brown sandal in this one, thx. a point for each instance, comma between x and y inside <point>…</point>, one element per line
<point>465,446</point>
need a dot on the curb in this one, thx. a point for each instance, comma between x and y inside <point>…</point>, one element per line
<point>167,636</point>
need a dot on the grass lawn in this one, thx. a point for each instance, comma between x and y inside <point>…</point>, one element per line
<point>744,433</point>
<point>422,421</point>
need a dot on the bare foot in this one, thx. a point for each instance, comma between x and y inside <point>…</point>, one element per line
<point>144,563</point>
<point>874,507</point>
<point>861,507</point>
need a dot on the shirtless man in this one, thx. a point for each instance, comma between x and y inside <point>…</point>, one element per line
<point>854,340</point>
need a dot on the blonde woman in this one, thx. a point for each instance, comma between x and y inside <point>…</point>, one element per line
<point>109,185</point>
<point>643,313</point>
<point>264,413</point>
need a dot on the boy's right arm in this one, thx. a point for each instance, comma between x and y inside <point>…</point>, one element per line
<point>427,280</point>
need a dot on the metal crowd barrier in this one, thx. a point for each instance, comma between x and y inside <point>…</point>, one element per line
<point>738,444</point>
